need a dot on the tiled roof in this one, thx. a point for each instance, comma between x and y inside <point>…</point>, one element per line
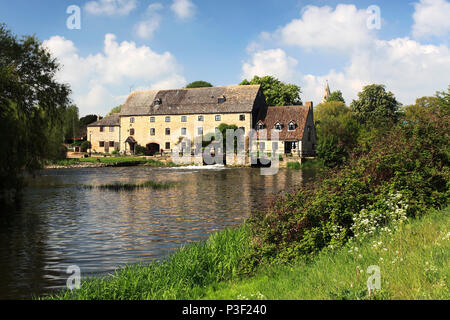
<point>235,99</point>
<point>109,121</point>
<point>284,115</point>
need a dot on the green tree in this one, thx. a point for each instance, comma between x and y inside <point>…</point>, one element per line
<point>71,124</point>
<point>277,93</point>
<point>375,106</point>
<point>337,132</point>
<point>336,96</point>
<point>198,84</point>
<point>115,110</point>
<point>31,106</point>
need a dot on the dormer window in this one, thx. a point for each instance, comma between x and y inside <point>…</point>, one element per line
<point>158,102</point>
<point>222,99</point>
<point>278,126</point>
<point>259,127</point>
<point>292,126</point>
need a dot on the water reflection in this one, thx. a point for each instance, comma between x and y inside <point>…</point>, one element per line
<point>61,224</point>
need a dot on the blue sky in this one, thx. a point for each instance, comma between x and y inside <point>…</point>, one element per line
<point>141,44</point>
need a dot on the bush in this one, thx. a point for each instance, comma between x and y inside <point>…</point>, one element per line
<point>408,160</point>
<point>140,150</point>
<point>85,146</point>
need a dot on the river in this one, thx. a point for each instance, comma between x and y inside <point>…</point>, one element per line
<point>61,224</point>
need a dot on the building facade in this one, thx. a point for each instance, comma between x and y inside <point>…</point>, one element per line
<point>159,120</point>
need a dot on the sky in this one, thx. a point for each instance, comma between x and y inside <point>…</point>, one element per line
<point>107,48</point>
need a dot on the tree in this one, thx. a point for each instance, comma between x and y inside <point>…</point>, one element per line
<point>375,106</point>
<point>32,103</point>
<point>115,110</point>
<point>337,132</point>
<point>277,93</point>
<point>198,84</point>
<point>336,96</point>
<point>71,124</point>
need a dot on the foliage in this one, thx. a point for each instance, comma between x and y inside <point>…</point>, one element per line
<point>336,96</point>
<point>87,120</point>
<point>410,160</point>
<point>277,93</point>
<point>32,103</point>
<point>119,186</point>
<point>115,110</point>
<point>337,132</point>
<point>85,146</point>
<point>198,84</point>
<point>140,150</point>
<point>375,106</point>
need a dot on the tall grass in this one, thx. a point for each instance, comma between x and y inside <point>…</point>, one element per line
<point>182,275</point>
<point>120,186</point>
<point>414,263</point>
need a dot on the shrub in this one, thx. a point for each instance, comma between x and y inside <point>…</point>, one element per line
<point>140,150</point>
<point>85,146</point>
<point>408,160</point>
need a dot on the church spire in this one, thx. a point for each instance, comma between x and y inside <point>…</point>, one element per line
<point>327,93</point>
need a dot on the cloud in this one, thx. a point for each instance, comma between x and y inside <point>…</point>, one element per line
<point>407,67</point>
<point>431,18</point>
<point>110,7</point>
<point>146,28</point>
<point>184,9</point>
<point>343,28</point>
<point>100,81</point>
<point>270,62</point>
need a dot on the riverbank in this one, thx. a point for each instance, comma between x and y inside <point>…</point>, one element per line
<point>413,261</point>
<point>99,162</point>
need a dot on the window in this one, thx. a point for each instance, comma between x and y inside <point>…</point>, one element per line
<point>111,129</point>
<point>309,133</point>
<point>152,119</point>
<point>242,117</point>
<point>168,145</point>
<point>274,146</point>
<point>183,119</point>
<point>278,126</point>
<point>201,118</point>
<point>111,144</point>
<point>102,144</point>
<point>102,129</point>
<point>131,120</point>
<point>292,126</point>
<point>152,131</point>
<point>131,132</point>
<point>200,130</point>
<point>222,99</point>
<point>262,146</point>
<point>167,131</point>
<point>183,131</point>
<point>218,118</point>
<point>259,126</point>
<point>167,119</point>
<point>158,102</point>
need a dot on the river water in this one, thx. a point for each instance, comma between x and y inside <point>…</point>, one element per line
<point>61,224</point>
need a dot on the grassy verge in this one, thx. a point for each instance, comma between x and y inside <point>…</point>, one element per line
<point>115,161</point>
<point>119,186</point>
<point>414,264</point>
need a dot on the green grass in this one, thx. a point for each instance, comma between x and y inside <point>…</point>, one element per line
<point>120,186</point>
<point>181,276</point>
<point>115,161</point>
<point>414,264</point>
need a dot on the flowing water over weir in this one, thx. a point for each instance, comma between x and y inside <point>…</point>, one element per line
<point>60,223</point>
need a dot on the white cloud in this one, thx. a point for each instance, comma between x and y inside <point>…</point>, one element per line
<point>110,7</point>
<point>343,28</point>
<point>184,9</point>
<point>408,68</point>
<point>145,29</point>
<point>431,18</point>
<point>100,81</point>
<point>270,62</point>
